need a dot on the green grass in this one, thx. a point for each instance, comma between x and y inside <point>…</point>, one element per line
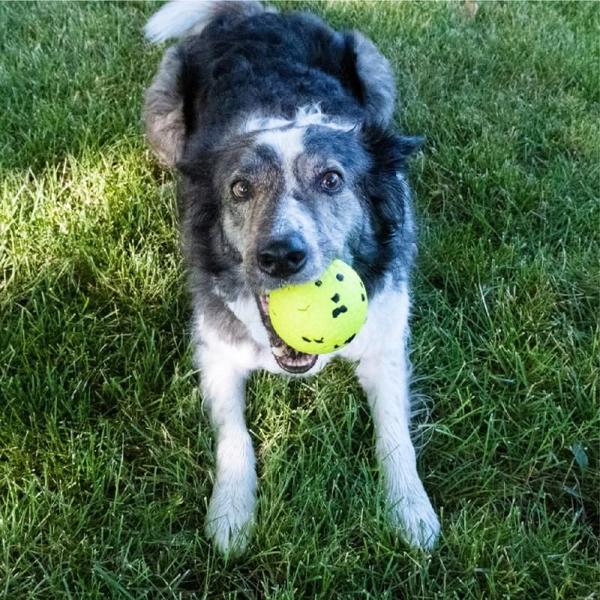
<point>105,455</point>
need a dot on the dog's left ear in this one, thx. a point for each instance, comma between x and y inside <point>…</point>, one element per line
<point>389,150</point>
<point>370,77</point>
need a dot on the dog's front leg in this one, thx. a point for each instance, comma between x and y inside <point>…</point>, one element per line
<point>385,381</point>
<point>231,509</point>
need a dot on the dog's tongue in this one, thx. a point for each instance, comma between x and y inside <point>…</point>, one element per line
<point>287,358</point>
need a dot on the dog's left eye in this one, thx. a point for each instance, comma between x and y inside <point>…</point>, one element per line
<point>241,189</point>
<point>331,181</point>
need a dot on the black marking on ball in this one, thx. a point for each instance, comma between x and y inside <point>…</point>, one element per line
<point>362,297</point>
<point>306,339</point>
<point>336,347</point>
<point>350,338</point>
<point>318,283</point>
<point>318,341</point>
<point>339,310</point>
<point>335,298</point>
<point>339,277</point>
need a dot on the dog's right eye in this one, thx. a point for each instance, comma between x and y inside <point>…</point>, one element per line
<point>331,181</point>
<point>241,189</point>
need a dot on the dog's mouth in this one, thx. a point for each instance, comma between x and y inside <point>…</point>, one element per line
<point>287,358</point>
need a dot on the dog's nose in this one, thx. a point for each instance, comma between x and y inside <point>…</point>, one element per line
<point>282,257</point>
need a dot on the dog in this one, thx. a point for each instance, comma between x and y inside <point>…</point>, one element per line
<point>280,130</point>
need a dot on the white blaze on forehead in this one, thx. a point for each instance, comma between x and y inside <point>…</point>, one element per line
<point>287,144</point>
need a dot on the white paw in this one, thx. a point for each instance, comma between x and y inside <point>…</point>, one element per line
<point>416,517</point>
<point>230,517</point>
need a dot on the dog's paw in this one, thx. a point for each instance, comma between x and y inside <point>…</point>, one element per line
<point>415,516</point>
<point>230,518</point>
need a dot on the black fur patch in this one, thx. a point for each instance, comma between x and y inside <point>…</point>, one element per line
<point>388,247</point>
<point>274,63</point>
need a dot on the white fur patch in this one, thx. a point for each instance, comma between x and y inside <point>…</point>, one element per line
<point>224,369</point>
<point>287,143</point>
<point>246,310</point>
<point>386,328</point>
<point>189,17</point>
<point>305,116</point>
<point>232,504</point>
<point>384,372</point>
<point>178,17</point>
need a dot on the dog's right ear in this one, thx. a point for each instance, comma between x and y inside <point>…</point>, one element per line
<point>164,117</point>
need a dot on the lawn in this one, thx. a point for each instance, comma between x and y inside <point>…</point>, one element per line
<point>105,454</point>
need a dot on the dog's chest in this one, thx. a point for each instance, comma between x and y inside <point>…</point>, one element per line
<point>384,332</point>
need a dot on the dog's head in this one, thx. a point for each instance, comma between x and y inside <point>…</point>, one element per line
<point>278,203</point>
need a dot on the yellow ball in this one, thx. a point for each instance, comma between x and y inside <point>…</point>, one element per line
<point>320,316</point>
